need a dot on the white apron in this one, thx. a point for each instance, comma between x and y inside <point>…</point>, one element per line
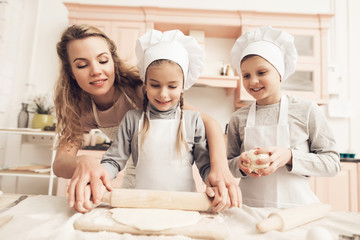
<point>159,166</point>
<point>281,189</point>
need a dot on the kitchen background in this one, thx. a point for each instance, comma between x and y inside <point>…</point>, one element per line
<point>30,29</point>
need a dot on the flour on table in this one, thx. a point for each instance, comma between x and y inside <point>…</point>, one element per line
<point>154,219</point>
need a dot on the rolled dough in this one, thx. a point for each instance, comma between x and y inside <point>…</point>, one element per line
<point>154,219</point>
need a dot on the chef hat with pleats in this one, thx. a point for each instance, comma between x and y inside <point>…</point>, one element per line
<point>172,45</point>
<point>275,45</point>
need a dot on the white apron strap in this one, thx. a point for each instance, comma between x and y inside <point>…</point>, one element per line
<point>283,114</point>
<point>250,121</point>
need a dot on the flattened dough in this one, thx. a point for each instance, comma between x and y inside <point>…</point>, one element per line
<point>154,219</point>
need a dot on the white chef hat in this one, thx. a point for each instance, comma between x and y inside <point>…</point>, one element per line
<point>275,45</point>
<point>172,45</point>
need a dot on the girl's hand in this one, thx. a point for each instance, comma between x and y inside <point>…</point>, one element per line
<point>87,182</point>
<point>218,202</point>
<point>278,157</point>
<point>243,159</point>
<point>227,187</point>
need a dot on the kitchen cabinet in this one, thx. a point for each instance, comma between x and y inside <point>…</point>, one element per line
<point>341,191</point>
<point>124,24</point>
<point>27,160</point>
<point>122,30</point>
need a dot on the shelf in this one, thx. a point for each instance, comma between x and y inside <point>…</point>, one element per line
<point>27,131</point>
<point>218,81</point>
<point>29,137</point>
<point>24,174</point>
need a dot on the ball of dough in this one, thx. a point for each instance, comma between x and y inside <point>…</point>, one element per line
<point>253,157</point>
<point>317,233</point>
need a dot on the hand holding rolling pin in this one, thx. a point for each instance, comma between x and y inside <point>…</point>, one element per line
<point>88,182</point>
<point>264,161</point>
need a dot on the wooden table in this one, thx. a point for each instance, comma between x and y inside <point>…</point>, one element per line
<point>49,217</point>
<point>7,198</point>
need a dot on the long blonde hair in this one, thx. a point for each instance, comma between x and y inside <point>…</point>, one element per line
<point>180,138</point>
<point>70,99</point>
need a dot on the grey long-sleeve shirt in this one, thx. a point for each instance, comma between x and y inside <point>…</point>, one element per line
<point>125,143</point>
<point>312,143</point>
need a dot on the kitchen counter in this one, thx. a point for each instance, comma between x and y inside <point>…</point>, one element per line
<point>349,160</point>
<point>48,217</point>
<point>6,199</point>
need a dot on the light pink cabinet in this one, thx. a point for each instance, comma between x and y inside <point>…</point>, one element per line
<point>341,191</point>
<point>125,35</point>
<point>125,24</point>
<point>121,26</point>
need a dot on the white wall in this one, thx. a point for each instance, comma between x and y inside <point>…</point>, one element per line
<point>30,29</point>
<point>11,17</point>
<point>353,74</point>
<point>35,27</point>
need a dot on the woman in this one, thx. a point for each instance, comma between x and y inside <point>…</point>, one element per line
<point>95,90</point>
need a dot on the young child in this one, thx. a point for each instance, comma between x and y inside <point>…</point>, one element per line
<point>292,131</point>
<point>163,139</point>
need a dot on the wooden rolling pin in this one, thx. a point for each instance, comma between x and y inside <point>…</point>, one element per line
<point>138,198</point>
<point>286,219</point>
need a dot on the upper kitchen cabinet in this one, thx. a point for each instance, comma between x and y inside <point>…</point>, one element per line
<point>310,33</point>
<point>217,31</point>
<point>122,24</point>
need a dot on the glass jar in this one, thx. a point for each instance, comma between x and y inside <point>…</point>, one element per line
<point>23,117</point>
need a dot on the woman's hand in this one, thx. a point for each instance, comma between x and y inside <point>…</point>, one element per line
<point>87,183</point>
<point>227,187</point>
<point>278,157</point>
<point>217,200</point>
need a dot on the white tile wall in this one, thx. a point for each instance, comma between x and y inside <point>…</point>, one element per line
<point>11,12</point>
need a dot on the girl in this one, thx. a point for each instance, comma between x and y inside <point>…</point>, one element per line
<point>95,89</point>
<point>294,132</point>
<point>164,140</point>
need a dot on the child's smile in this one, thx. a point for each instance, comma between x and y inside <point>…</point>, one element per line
<point>256,89</point>
<point>163,103</point>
